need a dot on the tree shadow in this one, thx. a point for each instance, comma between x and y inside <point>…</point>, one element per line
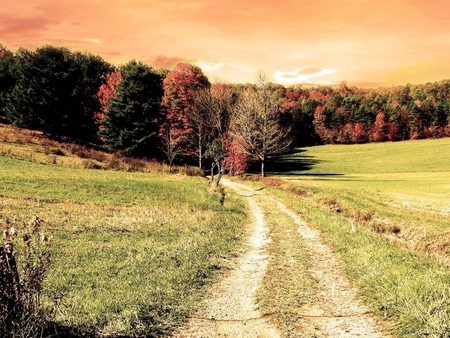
<point>295,164</point>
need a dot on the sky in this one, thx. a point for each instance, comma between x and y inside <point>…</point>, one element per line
<point>367,43</point>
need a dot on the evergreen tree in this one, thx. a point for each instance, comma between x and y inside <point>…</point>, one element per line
<point>131,121</point>
<point>56,90</point>
<point>6,76</point>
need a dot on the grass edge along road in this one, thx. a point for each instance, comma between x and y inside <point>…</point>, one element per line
<point>132,253</point>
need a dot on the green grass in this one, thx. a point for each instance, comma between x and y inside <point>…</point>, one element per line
<point>414,168</point>
<point>397,196</point>
<point>397,157</point>
<point>132,252</point>
<point>406,288</point>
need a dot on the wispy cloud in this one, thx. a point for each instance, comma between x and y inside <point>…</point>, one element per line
<point>64,39</point>
<point>303,75</point>
<point>210,66</point>
<point>216,65</point>
<point>163,61</point>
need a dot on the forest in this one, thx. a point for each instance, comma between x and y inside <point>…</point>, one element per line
<point>179,117</point>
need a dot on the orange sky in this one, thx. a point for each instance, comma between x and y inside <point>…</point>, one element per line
<point>305,41</point>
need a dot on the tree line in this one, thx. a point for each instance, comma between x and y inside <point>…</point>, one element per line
<point>179,117</point>
<point>349,115</point>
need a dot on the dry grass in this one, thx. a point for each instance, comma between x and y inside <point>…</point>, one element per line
<point>33,146</point>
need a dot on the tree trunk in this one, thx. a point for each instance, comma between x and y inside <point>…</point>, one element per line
<point>200,153</point>
<point>212,172</point>
<point>263,169</point>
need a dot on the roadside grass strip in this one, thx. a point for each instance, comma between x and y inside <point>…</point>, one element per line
<point>402,287</point>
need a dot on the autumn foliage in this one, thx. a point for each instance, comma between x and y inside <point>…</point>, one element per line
<point>180,86</point>
<point>178,117</point>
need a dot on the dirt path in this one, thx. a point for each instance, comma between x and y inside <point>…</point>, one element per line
<point>230,309</point>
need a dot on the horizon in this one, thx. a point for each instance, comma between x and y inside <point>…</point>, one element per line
<point>362,42</point>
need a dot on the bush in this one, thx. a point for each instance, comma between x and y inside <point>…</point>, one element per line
<point>20,293</point>
<point>194,171</point>
<point>114,164</point>
<point>134,164</point>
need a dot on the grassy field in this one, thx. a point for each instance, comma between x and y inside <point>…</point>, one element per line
<point>385,209</point>
<point>419,169</point>
<point>132,253</point>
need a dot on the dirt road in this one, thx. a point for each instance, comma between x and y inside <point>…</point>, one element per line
<point>230,309</point>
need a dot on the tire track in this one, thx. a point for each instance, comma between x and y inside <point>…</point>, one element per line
<point>230,309</point>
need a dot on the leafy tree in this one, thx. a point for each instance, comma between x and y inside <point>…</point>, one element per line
<point>236,160</point>
<point>179,116</point>
<point>359,134</point>
<point>256,123</point>
<point>107,92</point>
<point>380,129</point>
<point>6,76</point>
<point>131,121</point>
<point>56,90</point>
<point>320,124</point>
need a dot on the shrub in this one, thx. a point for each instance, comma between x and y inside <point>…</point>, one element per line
<point>194,171</point>
<point>114,164</point>
<point>20,293</point>
<point>134,164</point>
<point>98,156</point>
<point>82,153</point>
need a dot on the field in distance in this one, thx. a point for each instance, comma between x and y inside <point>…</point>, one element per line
<point>413,175</point>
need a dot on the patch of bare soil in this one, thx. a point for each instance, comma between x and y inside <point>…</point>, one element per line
<point>230,309</point>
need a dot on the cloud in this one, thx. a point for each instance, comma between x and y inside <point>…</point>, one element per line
<point>303,75</point>
<point>12,26</point>
<point>65,40</point>
<point>216,65</point>
<point>169,62</point>
<point>210,66</point>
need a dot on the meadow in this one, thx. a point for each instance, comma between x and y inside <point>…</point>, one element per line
<point>384,208</point>
<point>132,253</point>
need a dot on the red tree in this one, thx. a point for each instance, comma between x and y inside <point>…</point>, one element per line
<point>320,124</point>
<point>380,129</point>
<point>107,92</point>
<point>180,86</point>
<point>346,134</point>
<point>359,133</point>
<point>236,161</point>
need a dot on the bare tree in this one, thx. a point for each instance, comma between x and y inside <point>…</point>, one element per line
<point>256,122</point>
<point>201,122</point>
<point>209,118</point>
<point>169,144</point>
